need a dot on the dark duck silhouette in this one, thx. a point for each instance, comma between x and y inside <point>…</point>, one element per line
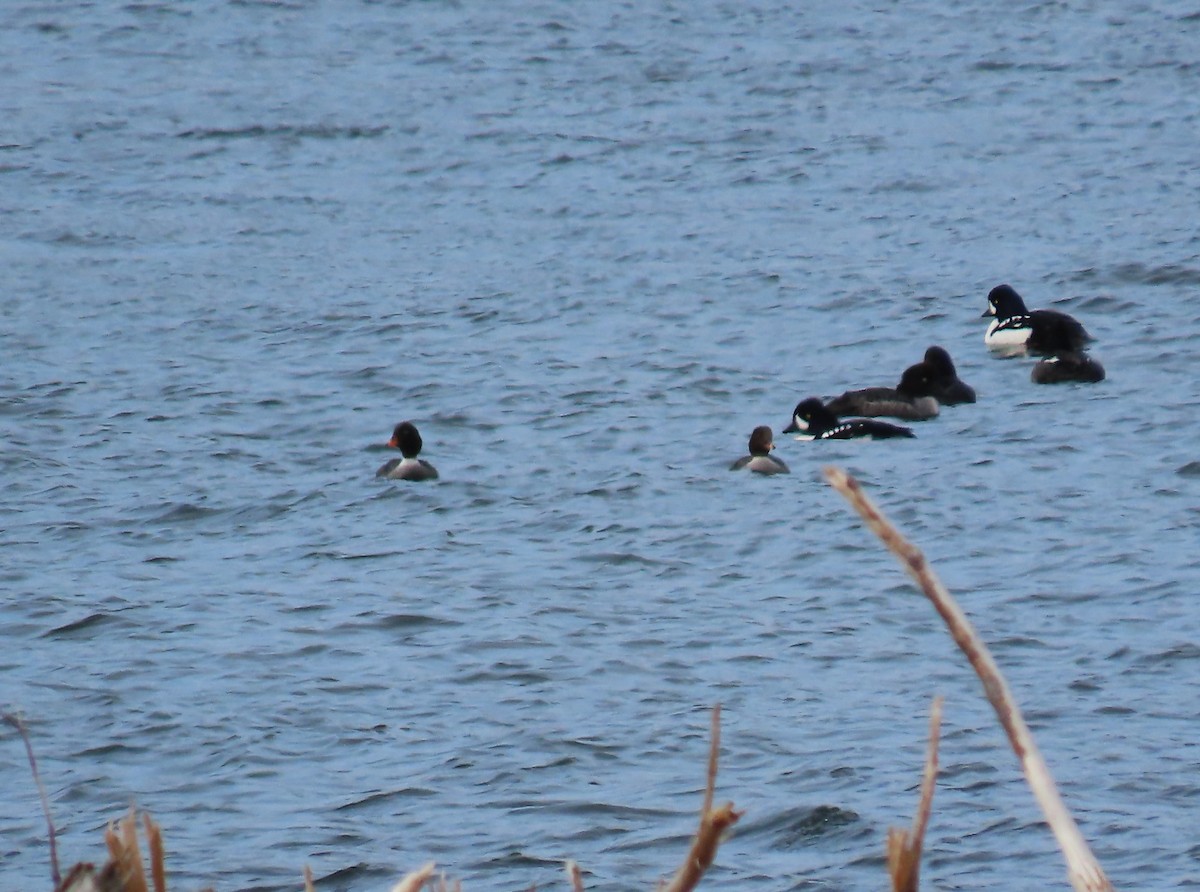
<point>945,385</point>
<point>911,399</point>
<point>1066,367</point>
<point>813,421</point>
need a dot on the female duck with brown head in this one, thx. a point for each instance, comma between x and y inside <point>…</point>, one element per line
<point>760,458</point>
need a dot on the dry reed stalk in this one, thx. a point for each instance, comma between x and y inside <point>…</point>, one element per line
<point>415,880</point>
<point>158,870</point>
<point>81,878</point>
<point>904,846</point>
<point>714,822</point>
<point>574,876</point>
<point>125,855</point>
<point>1083,869</point>
<point>308,880</point>
<point>16,722</point>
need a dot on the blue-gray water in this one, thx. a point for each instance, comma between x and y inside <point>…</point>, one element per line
<point>587,248</point>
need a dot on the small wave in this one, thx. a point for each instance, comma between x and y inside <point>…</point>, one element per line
<point>1140,274</point>
<point>359,872</point>
<point>288,131</point>
<point>1170,656</point>
<point>795,827</point>
<point>98,752</point>
<point>619,558</point>
<point>520,859</point>
<point>90,621</point>
<point>184,513</point>
<point>384,796</point>
<point>411,620</point>
<point>397,621</point>
<point>505,673</point>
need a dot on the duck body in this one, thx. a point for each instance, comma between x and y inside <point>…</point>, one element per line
<point>1016,329</point>
<point>813,420</point>
<point>407,439</point>
<point>1067,367</point>
<point>408,469</point>
<point>910,399</point>
<point>760,459</point>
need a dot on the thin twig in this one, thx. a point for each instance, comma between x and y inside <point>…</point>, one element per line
<point>415,880</point>
<point>714,751</point>
<point>904,846</point>
<point>154,843</point>
<point>574,876</point>
<point>16,722</point>
<point>714,822</point>
<point>1083,869</point>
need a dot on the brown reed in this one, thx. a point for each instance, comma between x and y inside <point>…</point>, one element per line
<point>1083,869</point>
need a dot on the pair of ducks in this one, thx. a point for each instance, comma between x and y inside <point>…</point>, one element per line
<point>1060,338</point>
<point>923,389</point>
<point>1014,330</point>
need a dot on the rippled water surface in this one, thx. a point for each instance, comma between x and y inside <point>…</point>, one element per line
<point>587,248</point>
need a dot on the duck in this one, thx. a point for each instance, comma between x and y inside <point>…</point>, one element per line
<point>910,399</point>
<point>760,459</point>
<point>1067,366</point>
<point>944,384</point>
<point>813,421</point>
<point>407,439</point>
<point>1016,329</point>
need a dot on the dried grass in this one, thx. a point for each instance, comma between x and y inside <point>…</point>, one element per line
<point>714,823</point>
<point>1083,869</point>
<point>126,871</point>
<point>904,846</point>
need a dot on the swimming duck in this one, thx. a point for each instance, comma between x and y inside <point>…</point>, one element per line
<point>813,421</point>
<point>911,399</point>
<point>1066,366</point>
<point>944,383</point>
<point>1016,329</point>
<point>407,439</point>
<point>760,458</point>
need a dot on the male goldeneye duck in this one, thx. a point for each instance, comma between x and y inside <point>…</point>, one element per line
<point>944,383</point>
<point>1016,329</point>
<point>407,439</point>
<point>813,421</point>
<point>1067,366</point>
<point>760,458</point>
<point>910,399</point>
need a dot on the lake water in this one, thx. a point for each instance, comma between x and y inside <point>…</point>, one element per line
<point>586,248</point>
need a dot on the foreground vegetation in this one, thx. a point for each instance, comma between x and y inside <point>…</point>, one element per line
<point>126,870</point>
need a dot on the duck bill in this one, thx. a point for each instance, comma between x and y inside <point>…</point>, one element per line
<point>393,444</point>
<point>796,427</point>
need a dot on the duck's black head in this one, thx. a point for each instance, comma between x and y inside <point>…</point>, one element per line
<point>1004,302</point>
<point>938,359</point>
<point>812,417</point>
<point>917,380</point>
<point>946,386</point>
<point>407,439</point>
